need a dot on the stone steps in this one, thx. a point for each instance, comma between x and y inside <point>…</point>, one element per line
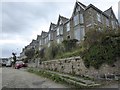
<point>76,80</point>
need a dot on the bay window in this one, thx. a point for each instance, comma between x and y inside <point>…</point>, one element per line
<point>82,32</point>
<point>81,18</point>
<point>76,20</point>
<point>77,33</point>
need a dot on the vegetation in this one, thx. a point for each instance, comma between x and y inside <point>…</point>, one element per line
<point>103,48</point>
<point>97,48</point>
<point>65,49</point>
<point>69,44</point>
<point>30,53</point>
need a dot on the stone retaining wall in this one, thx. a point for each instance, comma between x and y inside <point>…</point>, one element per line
<point>75,65</point>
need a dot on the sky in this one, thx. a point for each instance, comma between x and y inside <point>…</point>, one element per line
<point>22,20</point>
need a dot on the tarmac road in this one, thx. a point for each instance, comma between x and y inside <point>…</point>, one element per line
<point>19,78</point>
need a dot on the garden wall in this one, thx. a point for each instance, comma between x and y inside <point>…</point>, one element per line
<point>75,65</point>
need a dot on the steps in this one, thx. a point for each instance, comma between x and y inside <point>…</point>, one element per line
<point>76,80</point>
<point>69,79</point>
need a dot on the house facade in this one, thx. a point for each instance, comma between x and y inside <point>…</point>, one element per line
<point>82,20</point>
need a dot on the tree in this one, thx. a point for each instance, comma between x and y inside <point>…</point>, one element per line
<point>30,53</point>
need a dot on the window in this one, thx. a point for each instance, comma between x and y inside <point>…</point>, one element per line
<point>49,37</point>
<point>68,26</point>
<point>113,24</point>
<point>60,39</point>
<point>81,18</point>
<point>77,33</point>
<point>60,21</point>
<point>40,42</point>
<point>61,30</point>
<point>77,9</point>
<point>51,28</point>
<point>82,32</point>
<point>46,40</point>
<point>98,17</point>
<point>58,31</point>
<point>76,20</point>
<point>48,44</point>
<point>107,22</point>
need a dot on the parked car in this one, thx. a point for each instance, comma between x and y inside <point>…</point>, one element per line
<point>20,64</point>
<point>4,60</point>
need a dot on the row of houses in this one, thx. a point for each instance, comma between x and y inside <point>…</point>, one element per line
<point>82,19</point>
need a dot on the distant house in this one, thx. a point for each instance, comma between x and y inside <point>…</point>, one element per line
<point>82,20</point>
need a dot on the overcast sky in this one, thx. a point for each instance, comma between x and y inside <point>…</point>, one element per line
<point>21,21</point>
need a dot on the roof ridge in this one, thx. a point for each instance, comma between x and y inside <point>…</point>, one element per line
<point>81,4</point>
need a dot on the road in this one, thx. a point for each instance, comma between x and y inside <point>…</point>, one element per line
<point>19,78</point>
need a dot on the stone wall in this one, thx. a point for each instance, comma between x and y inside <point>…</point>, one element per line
<point>75,65</point>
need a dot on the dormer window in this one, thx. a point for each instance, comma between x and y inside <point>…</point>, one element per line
<point>77,9</point>
<point>51,28</point>
<point>60,22</point>
<point>98,17</point>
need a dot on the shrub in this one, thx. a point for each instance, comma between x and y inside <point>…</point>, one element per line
<point>104,50</point>
<point>70,44</point>
<point>30,53</point>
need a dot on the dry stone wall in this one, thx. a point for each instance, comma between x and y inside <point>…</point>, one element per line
<point>75,65</point>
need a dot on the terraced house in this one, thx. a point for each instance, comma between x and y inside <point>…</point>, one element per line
<point>82,19</point>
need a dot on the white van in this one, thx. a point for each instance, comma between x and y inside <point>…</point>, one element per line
<point>9,63</point>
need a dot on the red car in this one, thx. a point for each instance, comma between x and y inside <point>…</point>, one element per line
<point>20,64</point>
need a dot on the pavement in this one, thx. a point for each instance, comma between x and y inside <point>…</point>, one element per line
<point>19,78</point>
